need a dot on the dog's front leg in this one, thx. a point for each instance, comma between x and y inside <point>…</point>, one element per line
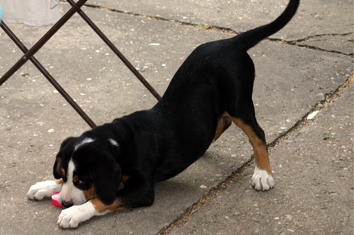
<point>71,217</point>
<point>128,197</point>
<point>44,189</point>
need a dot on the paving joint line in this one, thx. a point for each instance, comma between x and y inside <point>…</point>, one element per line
<point>331,51</point>
<point>221,186</point>
<point>157,17</point>
<point>227,30</point>
<point>213,192</point>
<point>307,119</point>
<point>323,35</point>
<point>296,43</point>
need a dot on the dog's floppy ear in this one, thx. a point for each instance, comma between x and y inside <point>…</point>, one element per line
<point>66,148</point>
<point>56,168</point>
<point>107,176</point>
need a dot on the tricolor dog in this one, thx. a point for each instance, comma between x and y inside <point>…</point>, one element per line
<point>210,91</point>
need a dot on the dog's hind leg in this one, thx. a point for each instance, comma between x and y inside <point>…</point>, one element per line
<point>263,177</point>
<point>223,124</point>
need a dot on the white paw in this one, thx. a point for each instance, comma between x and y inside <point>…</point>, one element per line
<point>261,180</point>
<point>43,189</point>
<point>71,217</point>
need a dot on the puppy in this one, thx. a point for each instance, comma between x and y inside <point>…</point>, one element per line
<point>212,89</point>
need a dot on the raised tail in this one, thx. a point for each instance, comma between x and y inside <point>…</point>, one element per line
<point>252,37</point>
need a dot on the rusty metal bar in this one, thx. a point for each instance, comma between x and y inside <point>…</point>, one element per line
<point>116,51</point>
<point>48,76</point>
<point>42,41</point>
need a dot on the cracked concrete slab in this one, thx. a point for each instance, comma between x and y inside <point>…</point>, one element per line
<point>313,18</point>
<point>313,169</point>
<point>34,118</point>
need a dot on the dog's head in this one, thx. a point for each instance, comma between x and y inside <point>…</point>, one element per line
<point>87,171</point>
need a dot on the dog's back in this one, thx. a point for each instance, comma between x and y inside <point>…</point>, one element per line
<point>217,78</point>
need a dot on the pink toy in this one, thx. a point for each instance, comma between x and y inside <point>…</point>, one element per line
<point>55,199</point>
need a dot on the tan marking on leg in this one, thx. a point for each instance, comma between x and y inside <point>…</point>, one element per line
<point>59,181</point>
<point>90,193</point>
<point>63,173</point>
<point>101,207</point>
<point>125,178</point>
<point>223,124</point>
<point>259,147</point>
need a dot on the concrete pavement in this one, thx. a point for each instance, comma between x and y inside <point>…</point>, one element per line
<point>314,188</point>
<point>304,63</point>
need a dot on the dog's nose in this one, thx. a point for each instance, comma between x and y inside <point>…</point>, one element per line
<point>67,204</point>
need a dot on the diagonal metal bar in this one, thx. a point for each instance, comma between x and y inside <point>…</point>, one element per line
<point>29,55</point>
<point>48,76</point>
<point>116,51</point>
<point>42,41</point>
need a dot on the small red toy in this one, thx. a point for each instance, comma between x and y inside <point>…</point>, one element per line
<point>55,199</point>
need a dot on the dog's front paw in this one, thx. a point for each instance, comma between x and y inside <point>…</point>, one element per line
<point>43,189</point>
<point>71,217</point>
<point>261,180</point>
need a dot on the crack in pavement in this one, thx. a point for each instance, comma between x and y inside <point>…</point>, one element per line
<point>331,51</point>
<point>221,186</point>
<point>297,41</point>
<point>157,17</point>
<point>323,35</point>
<point>229,30</point>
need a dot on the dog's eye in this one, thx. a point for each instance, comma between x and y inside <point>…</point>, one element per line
<point>81,184</point>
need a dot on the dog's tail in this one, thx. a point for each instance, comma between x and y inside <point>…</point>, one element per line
<point>251,38</point>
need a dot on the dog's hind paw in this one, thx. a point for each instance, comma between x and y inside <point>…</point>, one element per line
<point>261,180</point>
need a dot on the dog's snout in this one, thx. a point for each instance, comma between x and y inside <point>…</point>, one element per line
<point>67,204</point>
